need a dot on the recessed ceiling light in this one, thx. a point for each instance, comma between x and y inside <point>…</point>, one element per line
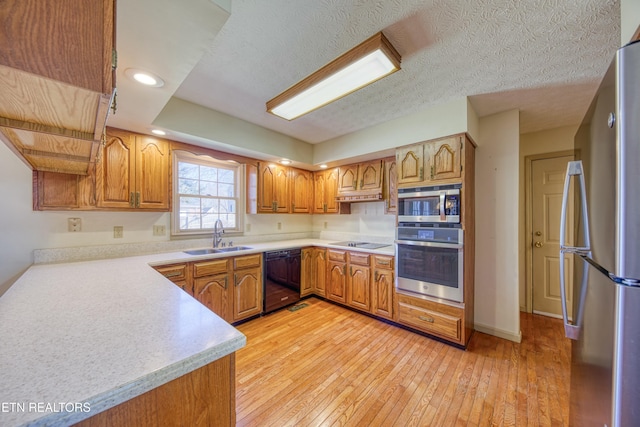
<point>285,161</point>
<point>144,77</point>
<point>323,166</point>
<point>158,132</point>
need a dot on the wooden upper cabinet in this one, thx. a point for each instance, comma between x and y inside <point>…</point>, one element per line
<point>301,191</point>
<point>57,80</point>
<point>433,162</point>
<point>410,164</point>
<point>273,188</point>
<point>348,179</point>
<point>370,176</point>
<point>133,172</point>
<point>325,189</point>
<point>444,158</point>
<point>390,194</point>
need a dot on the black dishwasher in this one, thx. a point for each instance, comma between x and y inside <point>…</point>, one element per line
<point>281,279</point>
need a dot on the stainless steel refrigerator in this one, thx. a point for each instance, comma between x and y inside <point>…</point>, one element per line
<point>605,329</point>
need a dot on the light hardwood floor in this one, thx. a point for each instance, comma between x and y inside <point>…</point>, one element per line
<point>325,365</point>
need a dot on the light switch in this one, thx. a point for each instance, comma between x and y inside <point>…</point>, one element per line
<point>74,224</point>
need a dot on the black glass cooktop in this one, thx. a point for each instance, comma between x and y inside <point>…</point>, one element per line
<point>361,245</point>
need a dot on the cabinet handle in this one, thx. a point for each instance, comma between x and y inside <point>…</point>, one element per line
<point>344,270</point>
<point>375,276</point>
<point>350,271</point>
<point>421,173</point>
<point>235,280</point>
<point>293,206</point>
<point>225,282</point>
<point>431,171</point>
<point>324,207</point>
<point>137,199</point>
<point>131,200</point>
<point>426,319</point>
<point>362,183</point>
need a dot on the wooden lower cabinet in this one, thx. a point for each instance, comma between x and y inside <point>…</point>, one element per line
<point>442,320</point>
<point>383,287</point>
<point>306,272</point>
<point>247,293</point>
<point>337,281</point>
<point>178,274</point>
<point>359,282</point>
<point>180,402</point>
<point>213,292</point>
<point>319,271</point>
<point>230,287</point>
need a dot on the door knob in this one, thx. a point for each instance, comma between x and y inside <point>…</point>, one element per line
<point>538,233</point>
<point>538,244</point>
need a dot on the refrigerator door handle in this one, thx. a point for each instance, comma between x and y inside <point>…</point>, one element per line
<point>574,168</point>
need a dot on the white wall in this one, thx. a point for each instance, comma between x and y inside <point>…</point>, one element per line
<point>442,120</point>
<point>497,263</point>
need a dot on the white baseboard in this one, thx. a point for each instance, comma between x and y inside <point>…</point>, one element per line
<point>498,332</point>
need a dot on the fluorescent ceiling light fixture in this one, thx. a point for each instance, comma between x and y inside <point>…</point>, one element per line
<point>366,63</point>
<point>144,77</point>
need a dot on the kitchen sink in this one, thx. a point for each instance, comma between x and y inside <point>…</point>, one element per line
<point>216,250</point>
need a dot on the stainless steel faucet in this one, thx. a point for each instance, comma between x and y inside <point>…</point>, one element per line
<point>218,231</point>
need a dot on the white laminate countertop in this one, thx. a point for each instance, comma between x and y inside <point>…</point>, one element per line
<point>93,334</point>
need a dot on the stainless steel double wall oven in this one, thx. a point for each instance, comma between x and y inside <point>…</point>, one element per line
<point>429,242</point>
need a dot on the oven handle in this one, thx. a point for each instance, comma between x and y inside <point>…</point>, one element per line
<point>430,244</point>
<point>450,192</point>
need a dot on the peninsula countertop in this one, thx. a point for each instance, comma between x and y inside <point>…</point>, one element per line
<point>81,337</point>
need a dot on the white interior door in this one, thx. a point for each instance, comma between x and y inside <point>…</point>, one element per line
<point>547,181</point>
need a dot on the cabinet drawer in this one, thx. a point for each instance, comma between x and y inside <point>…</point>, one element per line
<point>430,321</point>
<point>380,261</point>
<point>337,255</point>
<point>247,261</point>
<point>173,272</point>
<point>359,258</point>
<point>207,268</point>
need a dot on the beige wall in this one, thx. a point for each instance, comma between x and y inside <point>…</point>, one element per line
<point>534,143</point>
<point>497,263</point>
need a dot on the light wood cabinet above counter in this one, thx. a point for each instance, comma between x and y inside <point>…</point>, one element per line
<point>57,81</point>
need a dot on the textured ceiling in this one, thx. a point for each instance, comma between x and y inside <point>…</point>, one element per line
<point>544,57</point>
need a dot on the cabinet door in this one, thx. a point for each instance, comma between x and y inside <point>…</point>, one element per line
<point>306,270</point>
<point>359,287</point>
<point>444,158</point>
<point>370,176</point>
<point>410,164</point>
<point>331,190</point>
<point>382,293</point>
<point>115,180</point>
<point>337,281</point>
<point>391,186</point>
<point>319,182</point>
<point>152,162</point>
<point>319,271</point>
<point>348,180</point>
<point>247,294</point>
<point>301,191</point>
<point>273,188</point>
<point>212,291</point>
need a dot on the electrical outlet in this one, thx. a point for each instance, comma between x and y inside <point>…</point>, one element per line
<point>159,230</point>
<point>74,224</point>
<point>279,226</point>
<point>325,225</point>
<point>118,231</point>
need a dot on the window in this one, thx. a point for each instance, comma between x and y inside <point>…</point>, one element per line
<point>206,190</point>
